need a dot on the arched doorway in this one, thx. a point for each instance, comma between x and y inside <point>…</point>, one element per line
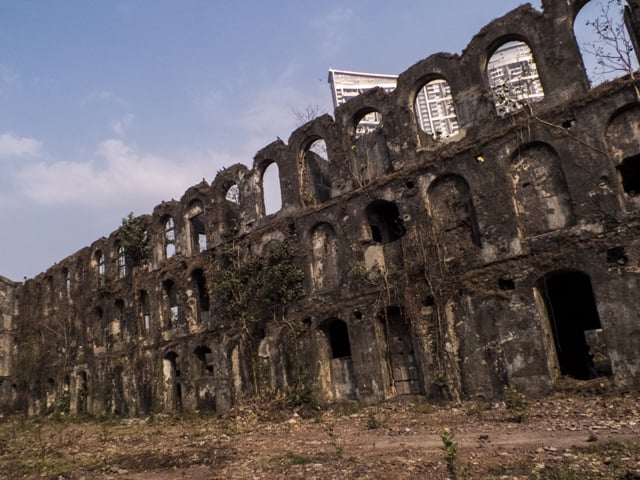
<point>575,323</point>
<point>401,357</point>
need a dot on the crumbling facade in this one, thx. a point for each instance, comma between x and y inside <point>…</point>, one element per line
<point>403,263</point>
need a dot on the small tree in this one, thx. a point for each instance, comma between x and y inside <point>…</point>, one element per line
<point>134,238</point>
<point>611,46</point>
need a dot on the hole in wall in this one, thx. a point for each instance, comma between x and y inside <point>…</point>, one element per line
<point>428,301</point>
<point>630,174</point>
<point>617,255</point>
<point>506,284</point>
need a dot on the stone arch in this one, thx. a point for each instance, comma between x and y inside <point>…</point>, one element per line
<point>169,235</point>
<point>623,137</point>
<point>453,215</point>
<point>199,286</point>
<point>81,392</point>
<point>541,196</point>
<point>324,252</point>
<point>172,386</point>
<point>435,110</point>
<point>145,311</point>
<point>121,260</point>
<point>170,303</point>
<point>118,322</point>
<point>608,55</point>
<point>513,76</point>
<point>369,146</point>
<point>197,226</point>
<point>385,223</point>
<point>100,265</point>
<point>402,364</point>
<point>336,365</point>
<point>204,386</point>
<point>316,175</point>
<point>271,187</point>
<point>571,311</point>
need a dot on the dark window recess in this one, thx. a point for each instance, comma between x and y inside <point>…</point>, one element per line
<point>384,221</point>
<point>339,339</point>
<point>506,284</point>
<point>617,255</point>
<point>630,172</point>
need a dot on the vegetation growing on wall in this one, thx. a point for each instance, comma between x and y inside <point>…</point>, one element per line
<point>249,289</point>
<point>134,239</point>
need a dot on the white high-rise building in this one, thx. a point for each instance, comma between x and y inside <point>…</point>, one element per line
<point>513,77</point>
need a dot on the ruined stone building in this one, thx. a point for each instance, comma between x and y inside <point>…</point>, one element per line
<point>400,263</point>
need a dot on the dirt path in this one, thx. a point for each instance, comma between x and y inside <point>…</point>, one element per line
<point>565,436</point>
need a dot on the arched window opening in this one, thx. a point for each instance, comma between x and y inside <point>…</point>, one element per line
<point>370,157</point>
<point>318,148</point>
<point>200,285</point>
<point>118,326</point>
<point>324,248</point>
<point>624,145</point>
<point>513,78</point>
<point>338,334</point>
<point>173,388</point>
<point>121,261</point>
<point>171,301</point>
<point>385,222</point>
<point>435,111</point>
<point>604,41</point>
<point>169,237</point>
<point>205,358</point>
<point>541,194</point>
<point>316,174</point>
<point>368,123</point>
<point>66,276</point>
<point>82,392</point>
<point>575,323</point>
<point>198,231</point>
<point>272,196</point>
<point>100,266</point>
<point>454,216</point>
<point>146,310</point>
<point>233,194</point>
<point>96,328</point>
<point>629,171</point>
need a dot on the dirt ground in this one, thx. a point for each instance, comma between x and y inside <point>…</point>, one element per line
<point>582,432</point>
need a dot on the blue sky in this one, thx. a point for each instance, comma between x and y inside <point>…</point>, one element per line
<point>112,106</point>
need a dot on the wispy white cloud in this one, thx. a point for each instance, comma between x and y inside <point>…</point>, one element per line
<point>124,123</point>
<point>119,176</point>
<point>12,146</point>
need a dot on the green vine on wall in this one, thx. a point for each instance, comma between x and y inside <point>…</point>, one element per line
<point>254,289</point>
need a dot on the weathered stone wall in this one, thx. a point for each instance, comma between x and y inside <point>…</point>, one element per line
<point>441,267</point>
<point>8,390</point>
